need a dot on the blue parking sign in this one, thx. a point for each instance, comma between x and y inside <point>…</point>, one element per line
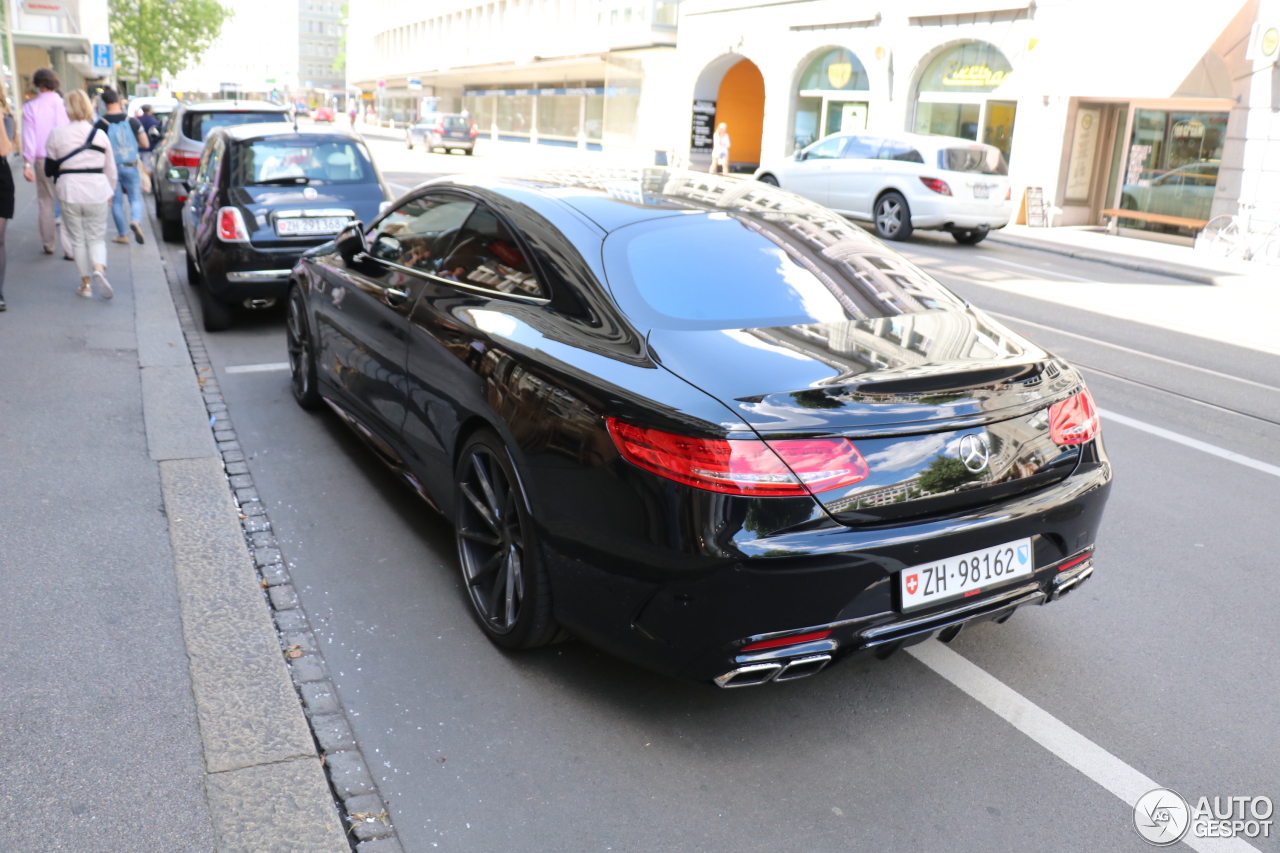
<point>102,58</point>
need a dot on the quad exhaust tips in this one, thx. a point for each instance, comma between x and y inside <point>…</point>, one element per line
<point>759,673</point>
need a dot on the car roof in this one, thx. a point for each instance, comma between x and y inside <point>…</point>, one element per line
<point>236,106</point>
<point>618,197</point>
<point>264,130</point>
<point>918,140</point>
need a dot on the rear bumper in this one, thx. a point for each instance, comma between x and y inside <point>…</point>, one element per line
<point>948,215</point>
<point>235,273</point>
<point>692,622</point>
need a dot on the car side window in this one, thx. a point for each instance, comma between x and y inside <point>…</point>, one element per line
<point>827,149</point>
<point>862,148</point>
<point>487,255</point>
<point>894,149</point>
<point>419,232</point>
<point>209,163</point>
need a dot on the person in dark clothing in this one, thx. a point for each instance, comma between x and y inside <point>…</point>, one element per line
<point>151,130</point>
<point>6,180</point>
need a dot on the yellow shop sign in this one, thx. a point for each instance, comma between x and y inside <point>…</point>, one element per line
<point>973,75</point>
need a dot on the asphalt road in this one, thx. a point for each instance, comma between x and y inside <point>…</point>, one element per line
<point>1165,660</point>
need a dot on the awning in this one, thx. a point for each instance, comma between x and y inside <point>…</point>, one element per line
<point>69,41</point>
<point>1112,50</point>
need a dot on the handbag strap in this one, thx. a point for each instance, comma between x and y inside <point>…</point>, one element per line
<point>87,146</point>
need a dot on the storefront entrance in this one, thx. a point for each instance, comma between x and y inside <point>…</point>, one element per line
<point>831,98</point>
<point>1171,167</point>
<point>953,96</point>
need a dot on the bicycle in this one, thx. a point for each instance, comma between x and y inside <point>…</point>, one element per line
<point>1235,236</point>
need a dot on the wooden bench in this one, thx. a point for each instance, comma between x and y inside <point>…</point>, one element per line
<point>1160,218</point>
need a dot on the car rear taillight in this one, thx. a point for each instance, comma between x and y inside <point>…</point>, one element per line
<point>231,226</point>
<point>474,132</point>
<point>1008,194</point>
<point>937,185</point>
<point>1074,420</point>
<point>183,159</point>
<point>794,639</point>
<point>741,466</point>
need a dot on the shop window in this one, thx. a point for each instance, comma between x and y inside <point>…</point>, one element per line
<point>835,70</point>
<point>974,66</point>
<point>1172,166</point>
<point>558,116</point>
<point>595,117</point>
<point>515,114</point>
<point>664,14</point>
<point>829,98</point>
<point>960,120</point>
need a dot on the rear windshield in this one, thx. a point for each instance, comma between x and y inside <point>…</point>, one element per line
<point>457,123</point>
<point>198,125</point>
<point>984,161</point>
<point>734,271</point>
<point>305,161</point>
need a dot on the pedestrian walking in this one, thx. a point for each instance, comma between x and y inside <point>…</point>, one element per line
<point>150,129</point>
<point>40,116</point>
<point>6,181</point>
<point>127,142</point>
<point>85,170</point>
<point>720,149</point>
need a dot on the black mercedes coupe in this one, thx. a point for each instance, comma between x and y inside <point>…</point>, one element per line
<point>699,422</point>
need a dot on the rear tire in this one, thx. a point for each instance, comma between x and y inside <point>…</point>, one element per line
<point>193,274</point>
<point>170,230</point>
<point>971,237</point>
<point>498,549</point>
<point>892,217</point>
<point>470,151</point>
<point>768,179</point>
<point>215,313</point>
<point>302,360</point>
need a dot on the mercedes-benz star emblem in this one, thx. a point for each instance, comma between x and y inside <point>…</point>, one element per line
<point>974,452</point>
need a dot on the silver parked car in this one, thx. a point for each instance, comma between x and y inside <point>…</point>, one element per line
<point>183,144</point>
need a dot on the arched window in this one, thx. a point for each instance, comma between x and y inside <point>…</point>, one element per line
<point>829,97</point>
<point>952,97</point>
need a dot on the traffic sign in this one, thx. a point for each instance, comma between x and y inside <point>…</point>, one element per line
<point>102,57</point>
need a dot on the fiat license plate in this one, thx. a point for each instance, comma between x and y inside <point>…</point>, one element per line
<point>980,191</point>
<point>294,227</point>
<point>965,574</point>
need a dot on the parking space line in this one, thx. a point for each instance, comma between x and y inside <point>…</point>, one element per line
<point>257,368</point>
<point>1075,749</point>
<point>1188,441</point>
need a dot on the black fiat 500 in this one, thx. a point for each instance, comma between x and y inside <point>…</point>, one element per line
<point>699,422</point>
<point>262,195</point>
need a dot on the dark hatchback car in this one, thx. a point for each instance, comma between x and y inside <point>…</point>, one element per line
<point>699,422</point>
<point>186,133</point>
<point>262,195</point>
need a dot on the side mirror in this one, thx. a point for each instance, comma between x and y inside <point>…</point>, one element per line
<point>800,155</point>
<point>350,242</point>
<point>181,175</point>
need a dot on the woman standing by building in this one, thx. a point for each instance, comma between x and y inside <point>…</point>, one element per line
<point>85,185</point>
<point>6,181</point>
<point>720,149</point>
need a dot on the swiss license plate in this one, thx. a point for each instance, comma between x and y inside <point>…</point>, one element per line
<point>294,227</point>
<point>980,191</point>
<point>965,574</point>
<point>456,134</point>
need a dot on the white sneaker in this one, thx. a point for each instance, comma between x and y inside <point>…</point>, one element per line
<point>104,286</point>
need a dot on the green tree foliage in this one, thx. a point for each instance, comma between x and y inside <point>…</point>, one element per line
<point>340,61</point>
<point>945,474</point>
<point>158,37</point>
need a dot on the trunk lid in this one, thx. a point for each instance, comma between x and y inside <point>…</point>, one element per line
<point>949,409</point>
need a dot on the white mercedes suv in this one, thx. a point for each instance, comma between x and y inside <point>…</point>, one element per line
<point>902,182</point>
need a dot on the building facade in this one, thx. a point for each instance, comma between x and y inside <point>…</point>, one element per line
<point>319,45</point>
<point>57,34</point>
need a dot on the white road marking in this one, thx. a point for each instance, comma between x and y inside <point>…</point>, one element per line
<point>257,368</point>
<point>1203,446</point>
<point>1054,735</point>
<point>1057,331</point>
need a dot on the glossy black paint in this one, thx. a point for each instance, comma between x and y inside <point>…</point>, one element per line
<point>212,187</point>
<point>670,576</point>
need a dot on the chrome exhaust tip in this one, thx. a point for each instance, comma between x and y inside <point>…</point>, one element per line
<point>803,667</point>
<point>748,676</point>
<point>1062,586</point>
<point>259,304</point>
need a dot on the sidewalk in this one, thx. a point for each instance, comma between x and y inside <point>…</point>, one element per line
<point>146,703</point>
<point>1136,253</point>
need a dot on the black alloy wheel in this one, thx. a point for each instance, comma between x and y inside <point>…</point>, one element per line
<point>193,274</point>
<point>971,236</point>
<point>170,230</point>
<point>497,547</point>
<point>892,217</point>
<point>768,179</point>
<point>302,362</point>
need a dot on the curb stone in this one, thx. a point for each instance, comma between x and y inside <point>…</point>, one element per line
<point>1114,259</point>
<point>360,805</point>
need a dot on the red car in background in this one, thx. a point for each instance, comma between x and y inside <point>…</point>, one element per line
<point>324,114</point>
